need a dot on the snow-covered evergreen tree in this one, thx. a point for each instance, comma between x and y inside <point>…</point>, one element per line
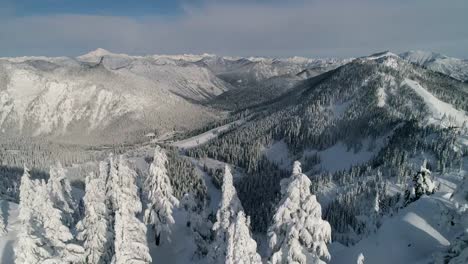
<point>161,200</point>
<point>375,213</point>
<point>110,168</point>
<point>229,207</point>
<point>44,238</point>
<point>60,193</point>
<point>360,259</point>
<point>29,247</point>
<point>298,233</point>
<point>421,185</point>
<point>95,228</point>
<point>131,245</point>
<point>241,247</point>
<point>58,235</point>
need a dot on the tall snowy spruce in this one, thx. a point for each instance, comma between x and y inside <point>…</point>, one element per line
<point>43,238</point>
<point>95,228</point>
<point>160,198</point>
<point>29,246</point>
<point>131,246</point>
<point>231,225</point>
<point>241,247</point>
<point>421,185</point>
<point>60,240</point>
<point>60,193</point>
<point>298,233</point>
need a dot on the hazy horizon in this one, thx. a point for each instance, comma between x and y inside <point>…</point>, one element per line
<point>267,28</point>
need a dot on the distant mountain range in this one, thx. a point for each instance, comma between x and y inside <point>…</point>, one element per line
<point>114,97</point>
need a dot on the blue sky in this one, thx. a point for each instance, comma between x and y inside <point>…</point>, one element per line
<point>313,28</point>
<point>92,7</point>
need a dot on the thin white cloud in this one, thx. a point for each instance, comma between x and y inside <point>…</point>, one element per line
<point>310,28</point>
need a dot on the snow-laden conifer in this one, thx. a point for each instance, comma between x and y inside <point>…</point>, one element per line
<point>60,193</point>
<point>241,247</point>
<point>95,228</point>
<point>131,246</point>
<point>229,207</point>
<point>161,200</point>
<point>422,184</point>
<point>29,247</point>
<point>298,233</point>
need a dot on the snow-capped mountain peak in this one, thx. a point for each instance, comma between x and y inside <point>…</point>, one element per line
<point>380,55</point>
<point>100,52</point>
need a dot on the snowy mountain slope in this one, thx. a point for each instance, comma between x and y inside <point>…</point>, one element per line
<point>411,236</point>
<point>172,73</point>
<point>104,93</point>
<point>67,98</point>
<point>246,72</point>
<point>9,213</point>
<point>456,68</point>
<point>358,119</point>
<point>439,109</point>
<point>422,232</point>
<point>252,95</point>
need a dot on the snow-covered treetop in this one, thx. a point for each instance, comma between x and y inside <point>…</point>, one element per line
<point>230,203</point>
<point>297,168</point>
<point>298,230</point>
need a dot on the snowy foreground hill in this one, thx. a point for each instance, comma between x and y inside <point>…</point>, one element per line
<point>111,158</point>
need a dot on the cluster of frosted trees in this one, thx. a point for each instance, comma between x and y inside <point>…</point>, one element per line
<point>112,227</point>
<point>46,214</point>
<point>297,235</point>
<point>120,209</point>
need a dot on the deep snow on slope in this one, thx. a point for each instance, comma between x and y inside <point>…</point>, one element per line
<point>9,212</point>
<point>81,101</point>
<point>412,236</point>
<point>416,234</point>
<point>278,153</point>
<point>438,108</point>
<point>181,248</point>
<point>177,74</point>
<point>206,136</point>
<point>178,251</point>
<point>340,157</point>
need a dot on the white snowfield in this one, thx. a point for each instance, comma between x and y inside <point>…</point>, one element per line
<point>413,235</point>
<point>339,157</point>
<point>9,212</point>
<point>206,136</point>
<point>438,108</point>
<point>417,233</point>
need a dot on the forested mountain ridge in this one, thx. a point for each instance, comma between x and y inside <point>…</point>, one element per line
<point>359,126</point>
